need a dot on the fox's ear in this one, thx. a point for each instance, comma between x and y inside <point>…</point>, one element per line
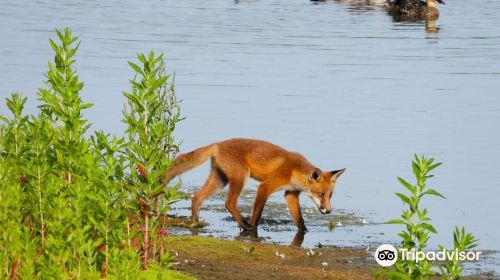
<point>316,175</point>
<point>337,173</point>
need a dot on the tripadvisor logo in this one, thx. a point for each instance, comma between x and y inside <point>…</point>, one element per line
<point>387,255</point>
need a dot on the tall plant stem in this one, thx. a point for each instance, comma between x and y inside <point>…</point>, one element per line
<point>40,206</point>
<point>146,235</point>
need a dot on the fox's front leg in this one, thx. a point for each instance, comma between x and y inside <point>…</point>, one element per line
<point>263,193</point>
<point>292,199</point>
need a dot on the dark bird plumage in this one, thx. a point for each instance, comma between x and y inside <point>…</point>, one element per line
<point>414,9</point>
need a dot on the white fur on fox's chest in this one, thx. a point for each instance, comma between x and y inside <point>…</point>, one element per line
<point>290,187</point>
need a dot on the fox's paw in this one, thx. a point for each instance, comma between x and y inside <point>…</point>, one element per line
<point>245,225</point>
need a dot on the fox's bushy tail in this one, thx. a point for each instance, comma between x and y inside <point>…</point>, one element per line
<point>187,161</point>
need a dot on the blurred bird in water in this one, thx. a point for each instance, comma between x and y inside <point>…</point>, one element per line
<point>414,9</point>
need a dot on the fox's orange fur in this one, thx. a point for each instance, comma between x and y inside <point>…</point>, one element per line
<point>235,160</point>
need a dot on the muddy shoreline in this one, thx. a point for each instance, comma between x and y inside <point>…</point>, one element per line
<point>210,258</point>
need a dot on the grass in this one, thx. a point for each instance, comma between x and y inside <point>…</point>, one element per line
<point>161,273</point>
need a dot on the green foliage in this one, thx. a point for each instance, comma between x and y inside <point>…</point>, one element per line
<point>419,229</point>
<point>69,202</point>
<point>417,224</point>
<point>462,241</point>
<point>151,115</point>
<point>416,221</point>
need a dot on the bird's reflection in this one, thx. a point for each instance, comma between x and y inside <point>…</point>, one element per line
<point>430,26</point>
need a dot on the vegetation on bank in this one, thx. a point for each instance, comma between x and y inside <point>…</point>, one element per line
<point>418,230</point>
<point>77,204</point>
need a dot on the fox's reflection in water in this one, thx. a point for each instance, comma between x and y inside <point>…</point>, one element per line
<point>253,235</point>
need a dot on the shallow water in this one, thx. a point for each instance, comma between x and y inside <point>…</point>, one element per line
<point>339,81</point>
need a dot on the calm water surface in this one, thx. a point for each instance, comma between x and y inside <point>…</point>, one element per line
<point>340,81</point>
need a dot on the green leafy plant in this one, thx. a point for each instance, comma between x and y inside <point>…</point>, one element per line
<point>462,241</point>
<point>73,204</point>
<point>418,229</point>
<point>416,220</point>
<point>151,114</point>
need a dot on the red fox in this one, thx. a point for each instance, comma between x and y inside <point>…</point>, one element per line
<point>235,160</point>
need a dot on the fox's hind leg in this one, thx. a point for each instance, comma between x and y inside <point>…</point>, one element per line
<point>215,182</point>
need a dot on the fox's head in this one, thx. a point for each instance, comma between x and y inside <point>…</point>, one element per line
<point>320,187</point>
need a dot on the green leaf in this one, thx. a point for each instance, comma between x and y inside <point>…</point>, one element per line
<point>404,198</point>
<point>54,46</point>
<point>86,106</point>
<point>428,227</point>
<point>159,82</point>
<point>136,68</point>
<point>407,185</point>
<point>433,192</point>
<point>432,167</point>
<point>396,221</point>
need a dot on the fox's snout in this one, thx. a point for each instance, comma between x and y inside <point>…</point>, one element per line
<point>322,203</point>
<point>324,210</point>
